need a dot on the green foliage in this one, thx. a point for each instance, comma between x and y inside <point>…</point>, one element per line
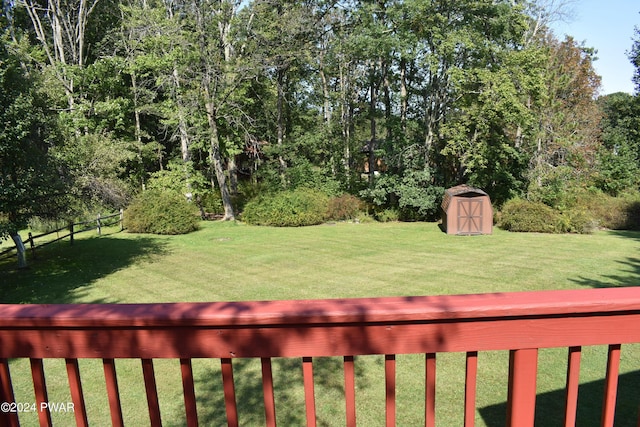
<point>634,57</point>
<point>31,177</point>
<point>388,215</point>
<point>619,155</point>
<point>442,91</point>
<point>603,210</point>
<point>577,221</point>
<point>523,215</point>
<point>301,173</point>
<point>554,186</point>
<point>418,198</point>
<point>161,212</point>
<point>210,202</point>
<point>179,177</point>
<point>575,210</point>
<point>294,208</point>
<point>413,195</point>
<point>344,207</point>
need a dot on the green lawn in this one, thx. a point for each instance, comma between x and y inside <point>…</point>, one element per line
<point>231,261</point>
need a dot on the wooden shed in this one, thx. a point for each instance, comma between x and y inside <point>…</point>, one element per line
<point>466,210</point>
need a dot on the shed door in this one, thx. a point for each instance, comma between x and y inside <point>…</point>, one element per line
<point>469,216</point>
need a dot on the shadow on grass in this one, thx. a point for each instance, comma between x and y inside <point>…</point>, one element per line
<point>550,406</point>
<point>629,273</point>
<point>629,276</point>
<point>288,391</point>
<point>60,269</point>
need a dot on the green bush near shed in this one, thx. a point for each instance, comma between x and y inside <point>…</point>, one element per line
<point>523,215</point>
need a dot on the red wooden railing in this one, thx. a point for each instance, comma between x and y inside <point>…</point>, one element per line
<point>519,322</point>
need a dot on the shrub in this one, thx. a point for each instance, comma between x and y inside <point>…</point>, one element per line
<point>295,208</point>
<point>210,202</point>
<point>577,221</point>
<point>161,212</point>
<point>633,215</point>
<point>344,207</point>
<point>523,215</point>
<point>413,194</point>
<point>615,213</point>
<point>388,215</point>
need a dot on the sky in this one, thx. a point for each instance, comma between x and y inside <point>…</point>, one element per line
<point>607,26</point>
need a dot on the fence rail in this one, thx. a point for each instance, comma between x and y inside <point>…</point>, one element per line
<point>521,322</point>
<point>70,230</point>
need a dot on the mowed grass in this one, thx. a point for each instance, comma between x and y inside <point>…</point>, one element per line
<point>234,262</point>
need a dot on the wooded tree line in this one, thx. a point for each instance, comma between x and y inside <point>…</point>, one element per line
<point>389,100</point>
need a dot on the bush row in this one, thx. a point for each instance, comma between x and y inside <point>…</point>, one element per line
<point>300,207</point>
<point>166,212</point>
<point>583,213</point>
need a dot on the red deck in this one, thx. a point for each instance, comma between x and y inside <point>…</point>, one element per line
<point>519,322</point>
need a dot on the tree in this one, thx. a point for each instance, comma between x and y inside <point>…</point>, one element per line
<point>634,57</point>
<point>283,36</point>
<point>31,183</point>
<point>568,135</point>
<point>61,29</point>
<point>619,155</point>
<point>216,77</point>
<point>85,89</point>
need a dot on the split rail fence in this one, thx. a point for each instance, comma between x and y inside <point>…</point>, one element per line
<point>521,323</point>
<point>69,230</point>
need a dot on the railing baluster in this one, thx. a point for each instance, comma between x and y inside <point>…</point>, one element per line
<point>6,395</point>
<point>229,392</point>
<point>111,381</point>
<point>470,388</point>
<point>267,391</point>
<point>189,393</point>
<point>390,386</point>
<point>40,389</point>
<point>350,390</point>
<point>521,405</point>
<point>611,386</point>
<point>573,380</point>
<point>430,390</point>
<point>75,386</point>
<point>309,392</point>
<point>152,392</point>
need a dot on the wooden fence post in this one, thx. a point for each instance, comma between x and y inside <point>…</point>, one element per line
<point>121,219</point>
<point>71,232</point>
<point>32,245</point>
<point>99,225</point>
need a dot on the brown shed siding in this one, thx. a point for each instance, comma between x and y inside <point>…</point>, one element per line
<point>466,210</point>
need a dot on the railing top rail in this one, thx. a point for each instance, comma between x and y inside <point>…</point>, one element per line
<point>325,311</point>
<point>398,325</point>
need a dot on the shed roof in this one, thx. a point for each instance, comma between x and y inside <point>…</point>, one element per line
<point>457,191</point>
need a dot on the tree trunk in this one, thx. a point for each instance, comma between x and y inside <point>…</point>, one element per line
<point>345,117</point>
<point>138,128</point>
<point>387,103</point>
<point>372,122</point>
<point>216,160</point>
<point>403,95</point>
<point>22,256</point>
<point>232,168</point>
<point>326,107</point>
<point>280,124</point>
